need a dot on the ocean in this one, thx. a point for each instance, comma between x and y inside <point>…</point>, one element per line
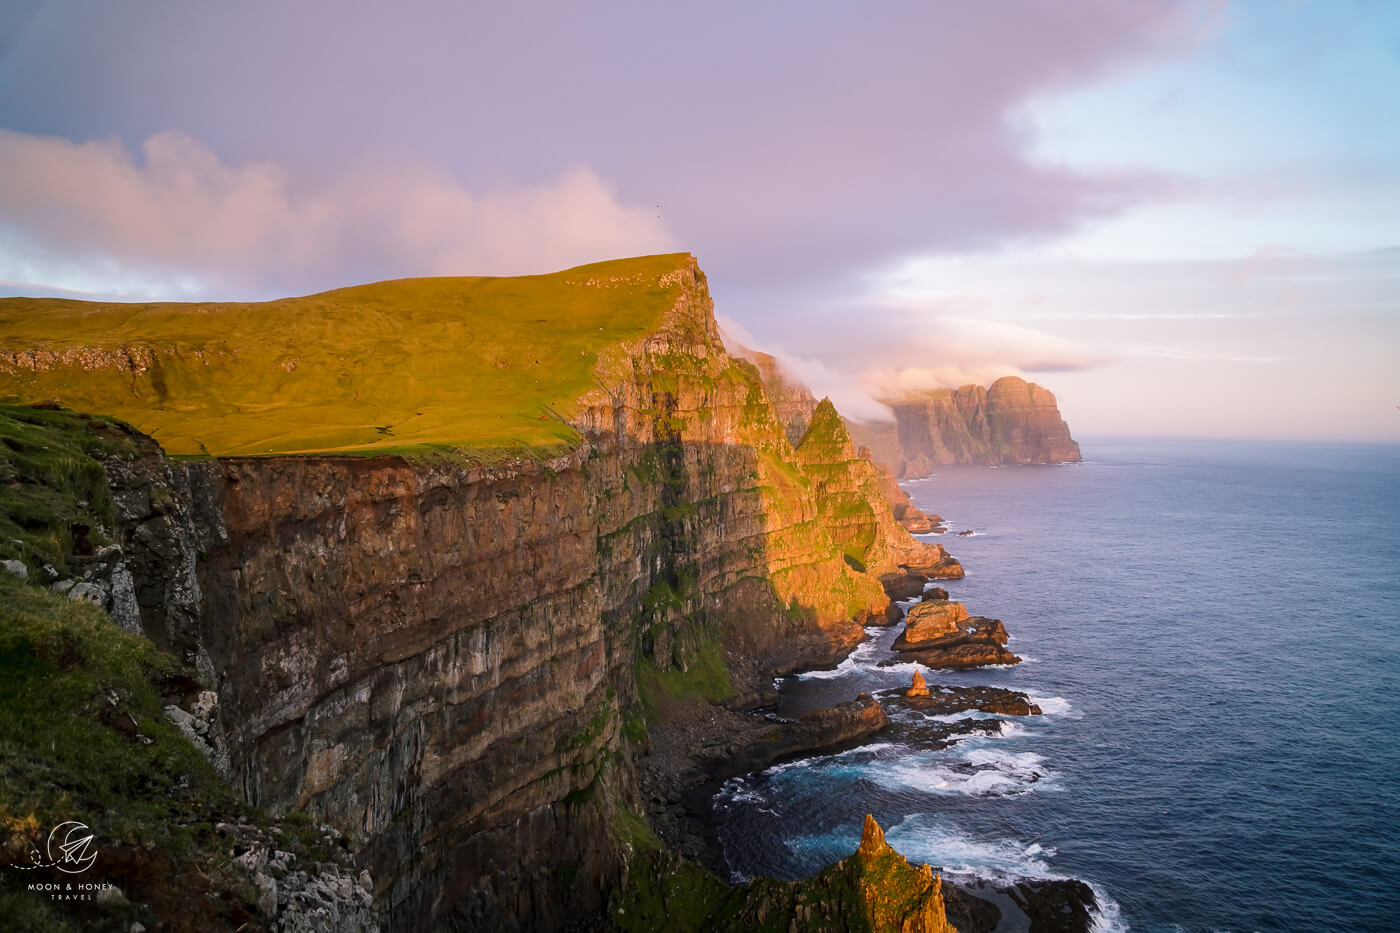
<point>1213,631</point>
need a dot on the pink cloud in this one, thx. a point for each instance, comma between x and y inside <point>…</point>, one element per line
<point>180,214</point>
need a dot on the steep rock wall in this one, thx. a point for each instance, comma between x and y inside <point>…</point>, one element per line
<point>793,402</point>
<point>857,507</point>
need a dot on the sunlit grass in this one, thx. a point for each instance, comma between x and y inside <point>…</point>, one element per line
<point>491,365</point>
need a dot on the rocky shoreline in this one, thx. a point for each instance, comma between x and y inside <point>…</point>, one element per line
<point>688,760</point>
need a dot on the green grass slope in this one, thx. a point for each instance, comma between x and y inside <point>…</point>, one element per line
<point>489,365</point>
<point>83,735</point>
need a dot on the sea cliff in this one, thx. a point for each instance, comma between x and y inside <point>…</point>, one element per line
<point>457,658</point>
<point>1012,421</point>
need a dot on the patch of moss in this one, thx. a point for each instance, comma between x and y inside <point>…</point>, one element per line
<point>82,712</point>
<point>664,892</point>
<point>706,677</point>
<point>826,431</point>
<point>634,728</point>
<point>83,737</point>
<point>52,483</point>
<point>634,830</point>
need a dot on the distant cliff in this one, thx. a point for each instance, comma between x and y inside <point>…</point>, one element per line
<point>454,645</point>
<point>1013,421</point>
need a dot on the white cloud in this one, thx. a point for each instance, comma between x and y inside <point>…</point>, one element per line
<point>179,221</point>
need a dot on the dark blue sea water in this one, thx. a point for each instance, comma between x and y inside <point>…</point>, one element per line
<point>1213,629</point>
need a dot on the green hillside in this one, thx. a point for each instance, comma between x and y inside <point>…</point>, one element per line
<point>491,365</point>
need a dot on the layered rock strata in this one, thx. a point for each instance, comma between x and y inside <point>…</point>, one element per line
<point>851,493</point>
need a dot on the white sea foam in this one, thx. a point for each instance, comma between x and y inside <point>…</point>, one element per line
<point>904,667</point>
<point>1107,917</point>
<point>1056,706</point>
<point>1005,760</point>
<point>840,671</point>
<point>866,749</point>
<point>829,761</point>
<point>959,717</point>
<point>787,766</point>
<point>922,838</point>
<point>938,842</point>
<point>976,771</point>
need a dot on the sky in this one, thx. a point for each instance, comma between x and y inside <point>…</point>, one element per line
<point>1182,217</point>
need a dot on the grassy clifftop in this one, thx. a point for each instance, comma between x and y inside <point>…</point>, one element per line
<point>486,364</point>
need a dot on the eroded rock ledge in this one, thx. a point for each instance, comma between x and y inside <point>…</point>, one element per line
<point>939,633</point>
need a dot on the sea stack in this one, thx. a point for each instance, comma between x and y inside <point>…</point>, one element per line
<point>918,688</point>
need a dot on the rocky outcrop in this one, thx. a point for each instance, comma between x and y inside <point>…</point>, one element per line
<point>944,701</point>
<point>903,585</point>
<point>824,729</point>
<point>460,663</point>
<point>851,494</point>
<point>940,634</point>
<point>914,519</point>
<point>1013,421</point>
<point>873,889</point>
<point>897,898</point>
<point>931,619</point>
<point>793,403</point>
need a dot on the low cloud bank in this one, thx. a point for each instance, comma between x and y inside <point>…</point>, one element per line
<point>177,220</point>
<point>869,364</point>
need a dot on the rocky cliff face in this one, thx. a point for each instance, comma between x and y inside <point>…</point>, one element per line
<point>454,663</point>
<point>793,402</point>
<point>1013,421</point>
<point>853,497</point>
